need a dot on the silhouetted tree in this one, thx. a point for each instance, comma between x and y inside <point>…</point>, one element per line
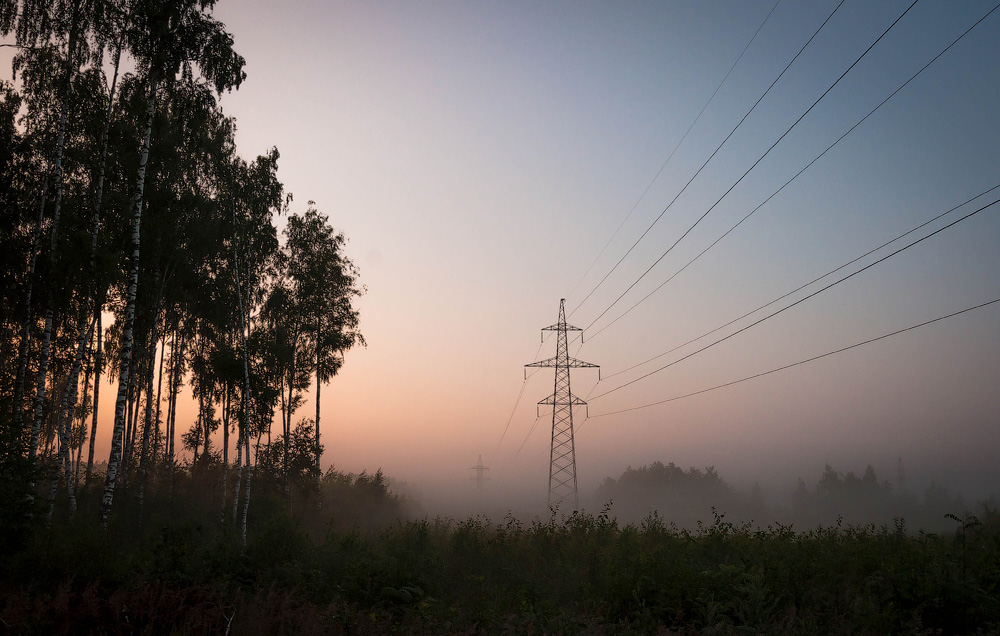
<point>311,308</point>
<point>166,38</point>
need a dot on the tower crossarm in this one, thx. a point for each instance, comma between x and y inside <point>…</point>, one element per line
<point>557,327</point>
<point>557,402</point>
<point>573,401</point>
<point>565,362</point>
<point>573,362</point>
<point>562,452</point>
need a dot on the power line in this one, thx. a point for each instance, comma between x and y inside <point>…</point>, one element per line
<point>693,177</point>
<point>801,300</point>
<point>674,151</point>
<point>512,411</point>
<point>795,364</point>
<point>754,165</point>
<point>806,167</point>
<point>801,287</point>
<point>538,418</point>
<point>530,431</point>
<point>520,393</point>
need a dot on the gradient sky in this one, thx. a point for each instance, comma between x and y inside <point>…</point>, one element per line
<point>479,156</point>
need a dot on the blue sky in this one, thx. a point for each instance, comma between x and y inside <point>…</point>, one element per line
<point>480,155</point>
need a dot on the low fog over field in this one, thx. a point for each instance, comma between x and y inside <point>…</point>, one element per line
<point>686,496</point>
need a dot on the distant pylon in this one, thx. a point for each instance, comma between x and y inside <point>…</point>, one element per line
<point>900,477</point>
<point>480,473</point>
<point>562,453</point>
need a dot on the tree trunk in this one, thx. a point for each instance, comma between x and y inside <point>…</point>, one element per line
<point>98,203</point>
<point>132,399</point>
<point>126,350</point>
<point>43,363</point>
<point>287,423</point>
<point>178,359</point>
<point>159,390</point>
<point>319,385</point>
<point>64,417</point>
<point>148,420</point>
<point>239,472</point>
<point>79,429</point>
<point>171,372</point>
<point>225,449</point>
<point>5,347</point>
<point>197,427</point>
<point>246,499</point>
<point>82,426</point>
<point>206,421</point>
<point>172,394</point>
<point>23,349</point>
<point>245,406</point>
<point>98,364</point>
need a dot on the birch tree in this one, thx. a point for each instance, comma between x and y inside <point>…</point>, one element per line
<point>322,284</point>
<point>167,38</point>
<point>255,196</point>
<point>65,25</point>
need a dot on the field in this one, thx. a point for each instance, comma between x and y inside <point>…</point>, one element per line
<point>344,559</point>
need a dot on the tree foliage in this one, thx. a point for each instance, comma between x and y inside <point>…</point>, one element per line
<point>127,196</point>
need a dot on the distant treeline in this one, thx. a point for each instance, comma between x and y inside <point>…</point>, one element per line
<point>688,497</point>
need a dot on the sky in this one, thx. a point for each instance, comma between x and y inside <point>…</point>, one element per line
<point>482,156</point>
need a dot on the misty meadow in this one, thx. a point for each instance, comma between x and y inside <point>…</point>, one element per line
<point>183,448</point>
<point>344,554</point>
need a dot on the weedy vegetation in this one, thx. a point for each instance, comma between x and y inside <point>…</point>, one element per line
<point>342,556</point>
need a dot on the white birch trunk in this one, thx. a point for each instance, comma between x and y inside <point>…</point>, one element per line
<point>131,402</point>
<point>239,474</point>
<point>148,420</point>
<point>159,390</point>
<point>22,352</point>
<point>175,352</point>
<point>172,424</point>
<point>245,406</point>
<point>98,203</point>
<point>43,364</point>
<point>226,399</point>
<point>64,417</point>
<point>82,425</point>
<point>114,458</point>
<point>287,424</point>
<point>319,385</point>
<point>246,498</point>
<point>98,364</point>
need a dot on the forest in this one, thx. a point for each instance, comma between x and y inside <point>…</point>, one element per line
<point>140,251</point>
<point>141,248</point>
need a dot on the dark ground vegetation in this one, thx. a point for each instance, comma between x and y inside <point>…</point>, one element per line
<point>101,161</point>
<point>344,558</point>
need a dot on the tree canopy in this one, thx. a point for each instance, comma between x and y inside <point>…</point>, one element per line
<point>135,232</point>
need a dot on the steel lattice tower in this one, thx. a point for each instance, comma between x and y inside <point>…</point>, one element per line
<point>562,455</point>
<point>480,473</point>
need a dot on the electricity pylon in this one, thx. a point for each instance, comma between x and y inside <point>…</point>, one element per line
<point>562,454</point>
<point>480,473</point>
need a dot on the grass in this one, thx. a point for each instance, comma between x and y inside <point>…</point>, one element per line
<point>576,574</point>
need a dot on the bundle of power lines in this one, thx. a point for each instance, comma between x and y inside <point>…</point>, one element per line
<point>984,201</point>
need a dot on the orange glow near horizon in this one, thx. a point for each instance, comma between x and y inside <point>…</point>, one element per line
<point>486,160</point>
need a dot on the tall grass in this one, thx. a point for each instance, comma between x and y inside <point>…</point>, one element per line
<point>570,574</point>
